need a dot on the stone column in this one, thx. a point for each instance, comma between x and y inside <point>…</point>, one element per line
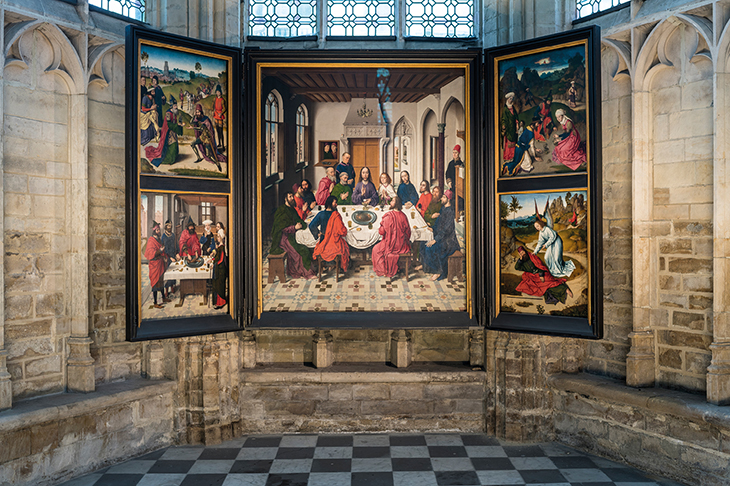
<point>640,366</point>
<point>476,347</point>
<point>80,364</point>
<point>6,388</point>
<point>440,155</point>
<point>322,353</point>
<point>401,353</point>
<point>248,351</point>
<point>718,373</point>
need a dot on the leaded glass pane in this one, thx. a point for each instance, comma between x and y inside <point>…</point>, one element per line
<point>282,18</point>
<point>134,9</point>
<point>360,17</point>
<point>585,8</point>
<point>440,18</point>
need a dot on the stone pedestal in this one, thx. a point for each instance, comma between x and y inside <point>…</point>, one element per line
<point>718,375</point>
<point>640,360</point>
<point>80,365</point>
<point>6,388</point>
<point>322,353</point>
<point>476,347</point>
<point>154,357</point>
<point>248,350</point>
<point>400,349</point>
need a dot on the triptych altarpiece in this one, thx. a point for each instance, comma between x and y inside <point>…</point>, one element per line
<point>363,189</point>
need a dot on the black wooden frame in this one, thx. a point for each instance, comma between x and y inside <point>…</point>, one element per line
<point>137,183</point>
<point>371,320</point>
<point>590,327</point>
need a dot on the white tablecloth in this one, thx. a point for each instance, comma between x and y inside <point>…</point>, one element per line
<point>361,236</point>
<point>179,271</point>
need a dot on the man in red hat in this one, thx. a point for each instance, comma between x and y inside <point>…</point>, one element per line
<point>453,164</point>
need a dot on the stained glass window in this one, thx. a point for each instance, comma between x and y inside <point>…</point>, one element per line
<point>360,17</point>
<point>584,8</point>
<point>282,18</point>
<point>134,9</point>
<point>440,18</point>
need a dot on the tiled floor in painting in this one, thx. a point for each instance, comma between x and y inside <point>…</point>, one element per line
<point>361,290</point>
<point>368,460</point>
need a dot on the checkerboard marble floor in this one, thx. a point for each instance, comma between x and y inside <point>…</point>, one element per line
<point>369,460</point>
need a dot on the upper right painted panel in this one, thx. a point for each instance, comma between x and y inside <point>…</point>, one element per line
<point>541,122</point>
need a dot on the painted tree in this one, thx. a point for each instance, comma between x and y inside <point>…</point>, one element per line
<point>514,206</point>
<point>198,67</point>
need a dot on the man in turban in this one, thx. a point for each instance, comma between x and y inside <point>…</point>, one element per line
<point>189,243</point>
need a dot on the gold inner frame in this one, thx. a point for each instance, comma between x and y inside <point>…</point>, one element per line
<point>335,65</point>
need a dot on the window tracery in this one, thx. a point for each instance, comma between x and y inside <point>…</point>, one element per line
<point>134,9</point>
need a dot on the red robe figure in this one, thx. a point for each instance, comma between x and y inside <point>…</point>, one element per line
<point>537,279</point>
<point>333,242</point>
<point>324,189</point>
<point>396,240</point>
<point>189,242</point>
<point>425,199</point>
<point>302,207</point>
<point>155,255</point>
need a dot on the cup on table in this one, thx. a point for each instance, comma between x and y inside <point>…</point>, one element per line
<point>413,215</point>
<point>349,224</point>
<point>319,208</point>
<point>370,226</point>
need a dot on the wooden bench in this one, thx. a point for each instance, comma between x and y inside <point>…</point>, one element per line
<point>456,266</point>
<point>321,263</point>
<point>408,256</point>
<point>276,268</point>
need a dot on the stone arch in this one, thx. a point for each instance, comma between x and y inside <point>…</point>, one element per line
<point>624,66</point>
<point>653,58</point>
<point>447,106</point>
<point>96,73</point>
<point>65,61</point>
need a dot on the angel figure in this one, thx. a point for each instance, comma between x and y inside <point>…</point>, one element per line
<point>552,243</point>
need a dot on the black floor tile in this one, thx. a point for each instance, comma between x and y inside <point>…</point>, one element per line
<point>370,452</point>
<point>295,453</point>
<point>573,462</point>
<point>407,440</point>
<point>411,464</point>
<point>334,441</point>
<point>254,466</point>
<point>492,463</point>
<point>524,451</point>
<point>331,465</point>
<point>482,440</point>
<point>372,479</point>
<point>262,442</point>
<point>219,454</point>
<point>152,456</point>
<point>542,476</point>
<point>119,480</point>
<point>456,478</point>
<point>203,480</point>
<point>171,467</point>
<point>625,475</point>
<point>287,479</point>
<point>447,451</point>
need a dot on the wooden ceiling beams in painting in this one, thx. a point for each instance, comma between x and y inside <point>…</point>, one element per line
<point>334,85</point>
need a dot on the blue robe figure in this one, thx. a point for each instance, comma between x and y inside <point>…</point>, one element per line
<point>436,257</point>
<point>348,169</point>
<point>521,151</point>
<point>407,193</point>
